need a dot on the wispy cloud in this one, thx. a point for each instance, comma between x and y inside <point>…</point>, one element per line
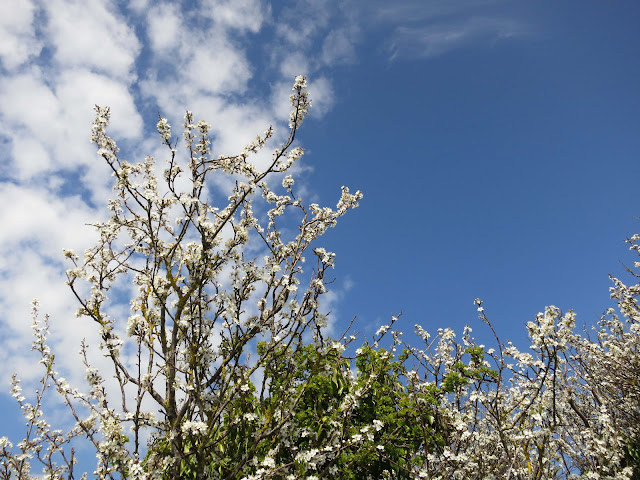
<point>416,29</point>
<point>430,40</point>
<point>331,25</point>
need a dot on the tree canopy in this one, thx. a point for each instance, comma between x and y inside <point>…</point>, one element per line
<point>224,368</point>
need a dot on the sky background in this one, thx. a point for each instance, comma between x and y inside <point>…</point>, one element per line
<point>496,143</point>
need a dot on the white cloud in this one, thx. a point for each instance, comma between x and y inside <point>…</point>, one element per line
<point>164,28</point>
<point>46,113</point>
<point>294,64</point>
<point>324,33</point>
<point>78,90</point>
<point>403,11</point>
<point>18,39</point>
<point>280,103</point>
<point>31,157</point>
<point>48,123</point>
<point>191,62</point>
<point>91,34</point>
<point>30,111</point>
<point>138,6</point>
<point>36,227</point>
<point>27,101</point>
<point>299,22</point>
<point>242,15</point>
<point>47,223</point>
<point>217,67</point>
<point>323,96</point>
<point>338,47</point>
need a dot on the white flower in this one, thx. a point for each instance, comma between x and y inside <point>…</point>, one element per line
<point>338,346</point>
<point>136,472</point>
<point>300,82</point>
<point>196,428</point>
<point>382,330</point>
<point>164,129</point>
<point>287,181</point>
<point>70,254</point>
<point>134,324</point>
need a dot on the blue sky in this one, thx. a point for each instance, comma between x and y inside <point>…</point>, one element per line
<point>496,144</point>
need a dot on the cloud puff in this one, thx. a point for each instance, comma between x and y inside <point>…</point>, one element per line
<point>202,59</point>
<point>47,121</point>
<point>29,111</point>
<point>239,15</point>
<point>93,35</point>
<point>338,47</point>
<point>164,28</point>
<point>18,40</point>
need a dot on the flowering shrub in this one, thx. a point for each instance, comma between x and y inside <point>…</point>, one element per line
<point>224,369</point>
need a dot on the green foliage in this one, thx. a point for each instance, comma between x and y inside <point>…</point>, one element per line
<point>632,457</point>
<point>365,408</point>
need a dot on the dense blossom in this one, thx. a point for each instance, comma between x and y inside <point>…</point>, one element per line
<point>224,368</point>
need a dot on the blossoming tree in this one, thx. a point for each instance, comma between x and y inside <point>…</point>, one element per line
<point>224,368</point>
